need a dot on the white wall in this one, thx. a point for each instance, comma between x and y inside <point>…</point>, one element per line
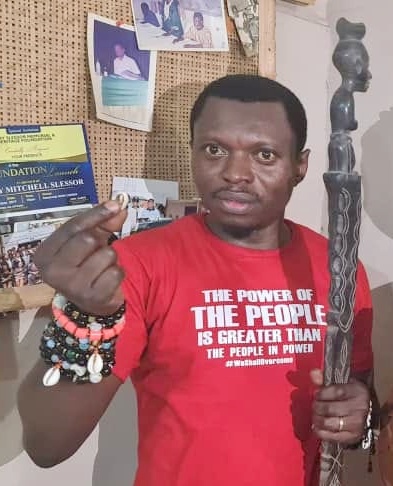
<point>303,61</point>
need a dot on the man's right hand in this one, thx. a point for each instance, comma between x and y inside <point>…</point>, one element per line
<point>77,261</point>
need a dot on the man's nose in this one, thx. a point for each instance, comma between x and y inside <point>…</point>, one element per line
<point>238,169</point>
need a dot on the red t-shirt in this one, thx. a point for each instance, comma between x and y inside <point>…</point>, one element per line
<point>219,342</point>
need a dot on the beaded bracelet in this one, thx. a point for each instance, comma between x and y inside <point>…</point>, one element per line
<point>79,346</point>
<point>367,442</point>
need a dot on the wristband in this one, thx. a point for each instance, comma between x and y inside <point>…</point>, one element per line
<point>79,346</point>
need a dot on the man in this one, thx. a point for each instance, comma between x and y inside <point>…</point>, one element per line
<point>171,21</point>
<point>150,212</point>
<point>198,33</point>
<point>132,217</point>
<point>225,314</point>
<point>149,17</point>
<point>123,65</point>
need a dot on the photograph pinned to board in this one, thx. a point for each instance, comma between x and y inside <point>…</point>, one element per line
<point>149,198</point>
<point>186,25</point>
<point>122,75</point>
<point>17,267</point>
<point>245,14</point>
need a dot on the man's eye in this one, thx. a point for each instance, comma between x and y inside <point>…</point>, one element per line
<point>266,155</point>
<point>214,150</point>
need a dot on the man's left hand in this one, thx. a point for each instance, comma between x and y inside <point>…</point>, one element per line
<point>340,411</point>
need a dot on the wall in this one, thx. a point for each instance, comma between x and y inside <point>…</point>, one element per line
<point>303,65</point>
<point>305,40</point>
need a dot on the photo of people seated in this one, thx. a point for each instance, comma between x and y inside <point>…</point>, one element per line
<point>180,24</point>
<point>17,267</point>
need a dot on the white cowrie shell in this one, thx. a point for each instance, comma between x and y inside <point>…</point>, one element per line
<point>95,364</point>
<point>51,377</point>
<point>123,198</point>
<point>95,377</point>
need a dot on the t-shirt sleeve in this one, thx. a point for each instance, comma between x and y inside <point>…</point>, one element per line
<point>132,341</point>
<point>362,354</point>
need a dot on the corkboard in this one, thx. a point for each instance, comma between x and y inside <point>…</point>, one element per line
<point>45,79</point>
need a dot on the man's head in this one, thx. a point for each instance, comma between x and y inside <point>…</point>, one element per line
<point>145,8</point>
<point>150,203</point>
<point>119,49</point>
<point>198,20</point>
<point>247,136</point>
<point>135,202</point>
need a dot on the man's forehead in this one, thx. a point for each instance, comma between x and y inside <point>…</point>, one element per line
<point>217,105</point>
<point>226,113</point>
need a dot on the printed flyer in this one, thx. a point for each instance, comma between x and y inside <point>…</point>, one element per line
<point>44,167</point>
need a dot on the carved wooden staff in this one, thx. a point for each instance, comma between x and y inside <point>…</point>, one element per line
<point>343,186</point>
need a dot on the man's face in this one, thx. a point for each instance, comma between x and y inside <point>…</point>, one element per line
<point>244,162</point>
<point>198,22</point>
<point>119,50</point>
<point>150,204</point>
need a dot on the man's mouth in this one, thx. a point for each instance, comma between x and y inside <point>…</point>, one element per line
<point>235,202</point>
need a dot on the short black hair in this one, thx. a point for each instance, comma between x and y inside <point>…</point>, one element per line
<point>251,88</point>
<point>198,14</point>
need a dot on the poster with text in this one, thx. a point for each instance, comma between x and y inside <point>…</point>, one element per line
<point>44,167</point>
<point>122,76</point>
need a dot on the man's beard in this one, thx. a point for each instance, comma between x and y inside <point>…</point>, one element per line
<point>236,232</point>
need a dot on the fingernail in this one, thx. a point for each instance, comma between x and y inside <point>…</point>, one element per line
<point>112,206</point>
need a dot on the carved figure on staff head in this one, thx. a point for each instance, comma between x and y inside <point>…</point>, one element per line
<point>352,61</point>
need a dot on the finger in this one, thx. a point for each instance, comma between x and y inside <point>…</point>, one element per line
<point>103,296</point>
<point>337,392</point>
<point>116,301</point>
<point>108,283</point>
<point>79,248</point>
<point>353,424</point>
<point>336,424</point>
<point>97,263</point>
<point>92,218</point>
<point>344,437</point>
<point>316,377</point>
<point>115,223</point>
<point>334,409</point>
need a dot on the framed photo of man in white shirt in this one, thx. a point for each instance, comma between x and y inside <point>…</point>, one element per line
<point>123,76</point>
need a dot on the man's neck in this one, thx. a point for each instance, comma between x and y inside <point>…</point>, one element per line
<point>272,237</point>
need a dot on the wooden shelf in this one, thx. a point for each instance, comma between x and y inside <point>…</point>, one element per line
<point>28,297</point>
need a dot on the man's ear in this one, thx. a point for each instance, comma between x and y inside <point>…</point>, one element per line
<point>301,166</point>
